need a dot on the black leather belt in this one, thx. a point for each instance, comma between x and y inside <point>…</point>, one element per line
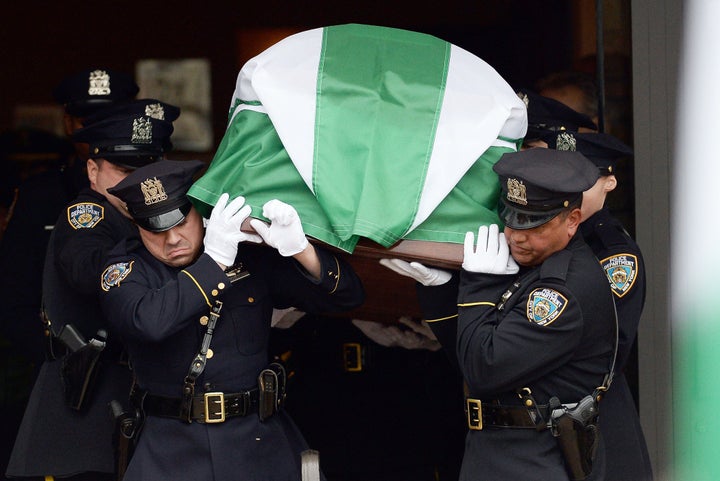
<point>481,415</point>
<point>211,407</point>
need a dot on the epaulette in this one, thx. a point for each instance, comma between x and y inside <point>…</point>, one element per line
<point>611,233</point>
<point>556,266</point>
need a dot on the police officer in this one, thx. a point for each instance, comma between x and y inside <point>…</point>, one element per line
<point>67,428</point>
<point>194,310</point>
<point>533,340</point>
<point>622,261</point>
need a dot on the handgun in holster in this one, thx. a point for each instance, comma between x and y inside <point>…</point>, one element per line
<point>79,366</point>
<point>271,387</point>
<point>125,435</point>
<point>577,433</point>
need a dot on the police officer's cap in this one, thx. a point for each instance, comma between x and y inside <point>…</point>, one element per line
<point>546,115</point>
<point>127,140</point>
<point>149,107</point>
<point>537,184</point>
<point>604,150</point>
<point>155,194</point>
<point>93,89</point>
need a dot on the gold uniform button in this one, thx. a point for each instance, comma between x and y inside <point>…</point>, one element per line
<point>204,320</point>
<point>214,292</point>
<point>221,286</point>
<point>210,353</point>
<point>251,299</point>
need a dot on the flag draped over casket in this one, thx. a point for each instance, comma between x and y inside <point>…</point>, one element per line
<point>368,132</point>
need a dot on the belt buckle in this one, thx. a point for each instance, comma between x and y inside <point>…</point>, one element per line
<point>213,415</point>
<point>352,357</point>
<point>474,414</point>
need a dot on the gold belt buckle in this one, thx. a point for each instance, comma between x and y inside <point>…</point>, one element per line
<point>474,414</point>
<point>213,415</point>
<point>352,357</point>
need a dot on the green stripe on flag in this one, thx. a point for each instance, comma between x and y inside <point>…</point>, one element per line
<point>251,161</point>
<point>369,117</point>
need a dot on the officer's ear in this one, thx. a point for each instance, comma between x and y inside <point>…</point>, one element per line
<point>92,171</point>
<point>573,220</point>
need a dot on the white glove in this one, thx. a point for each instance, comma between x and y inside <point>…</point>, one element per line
<point>492,255</point>
<point>285,232</point>
<point>222,233</point>
<point>418,336</point>
<point>427,276</point>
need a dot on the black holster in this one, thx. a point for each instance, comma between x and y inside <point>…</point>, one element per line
<point>271,386</point>
<point>578,435</point>
<point>79,371</point>
<point>127,430</point>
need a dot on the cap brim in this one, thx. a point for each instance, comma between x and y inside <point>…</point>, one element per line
<point>521,219</point>
<point>165,221</point>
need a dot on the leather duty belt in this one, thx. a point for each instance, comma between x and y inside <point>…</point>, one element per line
<point>211,407</point>
<point>481,415</point>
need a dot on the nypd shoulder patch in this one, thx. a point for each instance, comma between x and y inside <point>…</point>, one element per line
<point>545,305</point>
<point>85,215</point>
<point>115,274</point>
<point>621,271</point>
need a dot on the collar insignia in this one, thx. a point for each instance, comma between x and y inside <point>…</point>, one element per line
<point>523,96</point>
<point>621,271</point>
<point>155,111</point>
<point>153,191</point>
<point>85,215</point>
<point>99,83</point>
<point>516,191</point>
<point>115,274</point>
<point>545,305</point>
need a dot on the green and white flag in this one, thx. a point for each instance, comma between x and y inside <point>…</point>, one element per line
<point>369,132</point>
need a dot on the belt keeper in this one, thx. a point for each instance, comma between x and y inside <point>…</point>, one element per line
<point>528,401</point>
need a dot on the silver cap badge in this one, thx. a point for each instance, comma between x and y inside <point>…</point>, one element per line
<point>155,111</point>
<point>99,83</point>
<point>142,131</point>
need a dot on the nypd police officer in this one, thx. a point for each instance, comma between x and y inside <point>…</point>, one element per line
<point>194,310</point>
<point>536,327</point>
<point>67,428</point>
<point>621,259</point>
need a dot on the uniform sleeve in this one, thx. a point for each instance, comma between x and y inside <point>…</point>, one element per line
<point>338,289</point>
<point>629,298</point>
<point>438,305</point>
<point>81,254</point>
<point>502,350</point>
<point>138,311</point>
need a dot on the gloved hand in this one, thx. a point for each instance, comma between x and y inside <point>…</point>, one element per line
<point>427,276</point>
<point>492,255</point>
<point>222,232</point>
<point>285,232</point>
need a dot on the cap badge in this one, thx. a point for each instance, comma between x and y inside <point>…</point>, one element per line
<point>153,191</point>
<point>99,83</point>
<point>545,305</point>
<point>155,111</point>
<point>621,271</point>
<point>516,192</point>
<point>566,141</point>
<point>142,131</point>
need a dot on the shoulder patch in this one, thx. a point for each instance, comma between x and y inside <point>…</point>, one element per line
<point>621,271</point>
<point>114,274</point>
<point>545,305</point>
<point>85,215</point>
